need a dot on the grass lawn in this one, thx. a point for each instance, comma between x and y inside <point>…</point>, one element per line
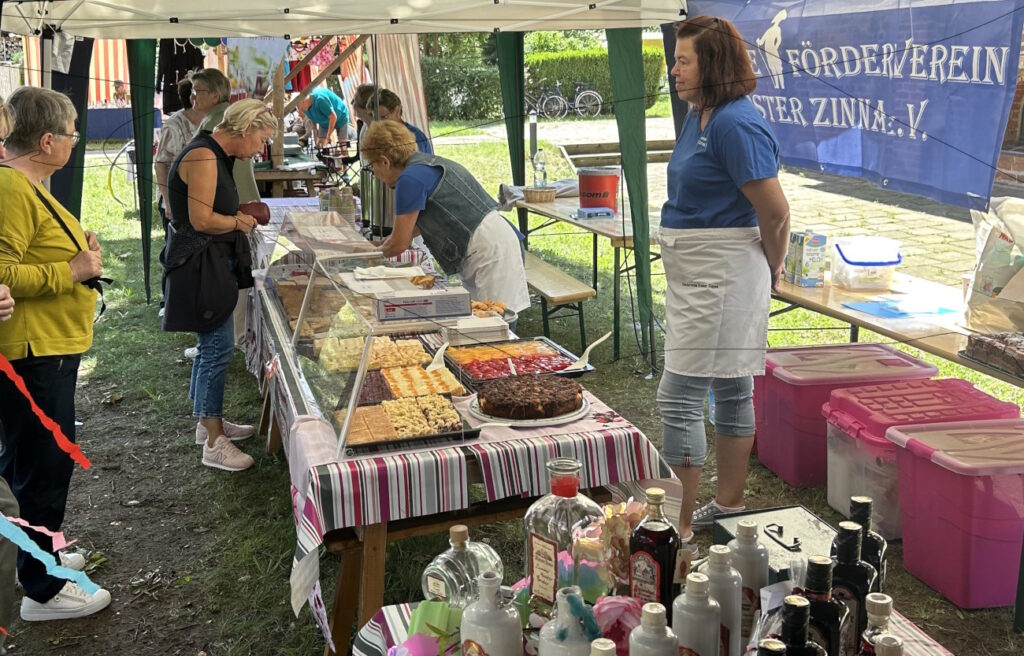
<point>199,559</point>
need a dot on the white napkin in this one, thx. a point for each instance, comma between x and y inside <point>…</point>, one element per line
<point>382,272</point>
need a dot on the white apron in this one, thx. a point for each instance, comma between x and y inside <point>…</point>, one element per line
<point>493,267</point>
<point>716,303</point>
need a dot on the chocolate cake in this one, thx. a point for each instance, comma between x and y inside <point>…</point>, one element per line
<point>1002,350</point>
<point>530,397</point>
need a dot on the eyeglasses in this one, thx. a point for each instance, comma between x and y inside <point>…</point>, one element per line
<point>74,136</point>
<point>196,92</point>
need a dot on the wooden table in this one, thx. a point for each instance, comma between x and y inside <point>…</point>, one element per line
<point>934,333</point>
<point>618,230</point>
<point>277,179</point>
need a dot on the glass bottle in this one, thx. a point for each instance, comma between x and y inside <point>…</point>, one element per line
<point>879,610</point>
<point>563,635</point>
<point>653,637</point>
<point>830,618</point>
<point>726,587</point>
<point>873,547</point>
<point>488,626</point>
<point>888,645</point>
<point>796,615</point>
<point>550,524</point>
<point>540,169</point>
<point>602,647</point>
<point>852,579</point>
<point>452,576</point>
<point>653,548</point>
<point>696,618</point>
<point>750,558</point>
<point>771,647</point>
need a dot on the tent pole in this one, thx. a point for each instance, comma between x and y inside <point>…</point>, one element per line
<point>46,59</point>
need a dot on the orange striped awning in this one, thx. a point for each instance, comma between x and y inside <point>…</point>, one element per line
<point>109,63</point>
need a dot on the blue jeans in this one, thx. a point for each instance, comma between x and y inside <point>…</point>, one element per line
<point>210,368</point>
<point>681,403</point>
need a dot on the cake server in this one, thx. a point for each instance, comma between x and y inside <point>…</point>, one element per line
<point>582,362</point>
<point>438,361</point>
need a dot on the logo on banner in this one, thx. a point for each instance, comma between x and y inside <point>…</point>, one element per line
<point>770,43</point>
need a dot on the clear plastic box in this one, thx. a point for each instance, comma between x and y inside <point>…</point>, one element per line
<point>865,263</point>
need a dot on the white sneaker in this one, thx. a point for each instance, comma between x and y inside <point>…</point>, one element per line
<point>72,560</point>
<point>161,312</point>
<point>225,455</point>
<point>70,603</point>
<point>191,352</point>
<point>234,432</point>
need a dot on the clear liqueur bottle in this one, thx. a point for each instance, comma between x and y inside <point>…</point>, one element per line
<point>750,558</point>
<point>549,525</point>
<point>879,610</point>
<point>652,554</point>
<point>852,579</point>
<point>796,615</point>
<point>488,626</point>
<point>452,576</point>
<point>653,637</point>
<point>696,618</point>
<point>726,587</point>
<point>830,618</point>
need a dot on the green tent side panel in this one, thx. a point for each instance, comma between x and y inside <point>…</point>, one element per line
<point>625,60</point>
<point>142,78</point>
<point>511,66</point>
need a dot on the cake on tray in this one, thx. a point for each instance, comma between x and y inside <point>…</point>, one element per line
<point>1002,350</point>
<point>530,397</point>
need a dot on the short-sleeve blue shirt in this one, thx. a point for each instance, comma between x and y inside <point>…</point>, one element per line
<point>325,103</point>
<point>707,169</point>
<point>422,142</point>
<point>416,183</point>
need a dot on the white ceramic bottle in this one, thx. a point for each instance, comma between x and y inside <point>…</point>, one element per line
<point>563,635</point>
<point>726,587</point>
<point>494,628</point>
<point>653,637</point>
<point>750,558</point>
<point>696,618</point>
<point>603,647</point>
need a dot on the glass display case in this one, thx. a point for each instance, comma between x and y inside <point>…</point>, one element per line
<point>332,354</point>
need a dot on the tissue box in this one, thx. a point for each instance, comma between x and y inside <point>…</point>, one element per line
<point>423,304</point>
<point>805,260</point>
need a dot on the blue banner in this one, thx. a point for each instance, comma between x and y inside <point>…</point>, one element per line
<point>914,99</point>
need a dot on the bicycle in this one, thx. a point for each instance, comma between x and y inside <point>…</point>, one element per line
<point>586,100</point>
<point>550,104</point>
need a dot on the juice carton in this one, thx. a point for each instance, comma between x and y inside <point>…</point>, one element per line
<point>805,261</point>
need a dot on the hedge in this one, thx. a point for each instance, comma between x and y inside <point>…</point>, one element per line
<point>589,66</point>
<point>458,89</point>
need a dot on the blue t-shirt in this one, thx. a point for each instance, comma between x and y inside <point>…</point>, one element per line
<point>325,103</point>
<point>707,169</point>
<point>422,142</point>
<point>414,186</point>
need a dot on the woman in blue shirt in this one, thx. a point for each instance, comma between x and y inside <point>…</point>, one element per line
<point>388,106</point>
<point>724,232</point>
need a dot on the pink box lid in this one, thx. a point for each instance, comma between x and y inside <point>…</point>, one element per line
<point>973,448</point>
<point>867,412</point>
<point>845,363</point>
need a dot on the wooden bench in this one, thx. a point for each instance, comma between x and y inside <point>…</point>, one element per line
<point>560,290</point>
<point>607,154</point>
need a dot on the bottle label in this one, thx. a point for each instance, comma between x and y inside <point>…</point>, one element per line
<point>543,568</point>
<point>644,577</point>
<point>846,595</point>
<point>436,588</point>
<point>472,648</point>
<point>683,559</point>
<point>751,604</point>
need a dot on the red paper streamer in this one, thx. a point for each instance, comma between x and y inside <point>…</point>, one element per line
<point>66,445</point>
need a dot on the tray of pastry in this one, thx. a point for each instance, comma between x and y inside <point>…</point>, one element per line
<point>478,363</point>
<point>405,421</point>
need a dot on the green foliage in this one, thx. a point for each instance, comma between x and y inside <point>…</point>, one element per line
<point>538,42</point>
<point>589,66</point>
<point>461,45</point>
<point>460,89</point>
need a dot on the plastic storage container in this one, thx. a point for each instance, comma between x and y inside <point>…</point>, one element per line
<point>962,501</point>
<point>797,381</point>
<point>861,461</point>
<point>864,263</point>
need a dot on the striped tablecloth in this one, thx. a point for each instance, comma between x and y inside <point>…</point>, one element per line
<point>390,627</point>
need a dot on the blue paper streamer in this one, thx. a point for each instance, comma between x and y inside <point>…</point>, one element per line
<point>14,533</point>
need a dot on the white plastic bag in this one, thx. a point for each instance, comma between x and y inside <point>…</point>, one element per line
<point>995,297</point>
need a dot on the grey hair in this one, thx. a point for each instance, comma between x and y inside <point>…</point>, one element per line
<point>36,112</point>
<point>216,81</point>
<point>6,120</point>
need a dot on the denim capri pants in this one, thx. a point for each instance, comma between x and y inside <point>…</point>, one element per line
<point>681,403</point>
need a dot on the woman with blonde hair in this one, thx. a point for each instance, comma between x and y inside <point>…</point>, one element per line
<point>208,261</point>
<point>440,200</point>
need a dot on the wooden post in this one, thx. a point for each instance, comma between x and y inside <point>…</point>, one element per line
<point>277,148</point>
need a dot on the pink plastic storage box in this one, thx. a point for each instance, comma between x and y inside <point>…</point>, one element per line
<point>791,433</point>
<point>962,503</point>
<point>861,461</point>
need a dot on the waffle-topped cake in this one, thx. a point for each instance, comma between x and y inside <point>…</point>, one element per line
<point>530,397</point>
<point>1003,350</point>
